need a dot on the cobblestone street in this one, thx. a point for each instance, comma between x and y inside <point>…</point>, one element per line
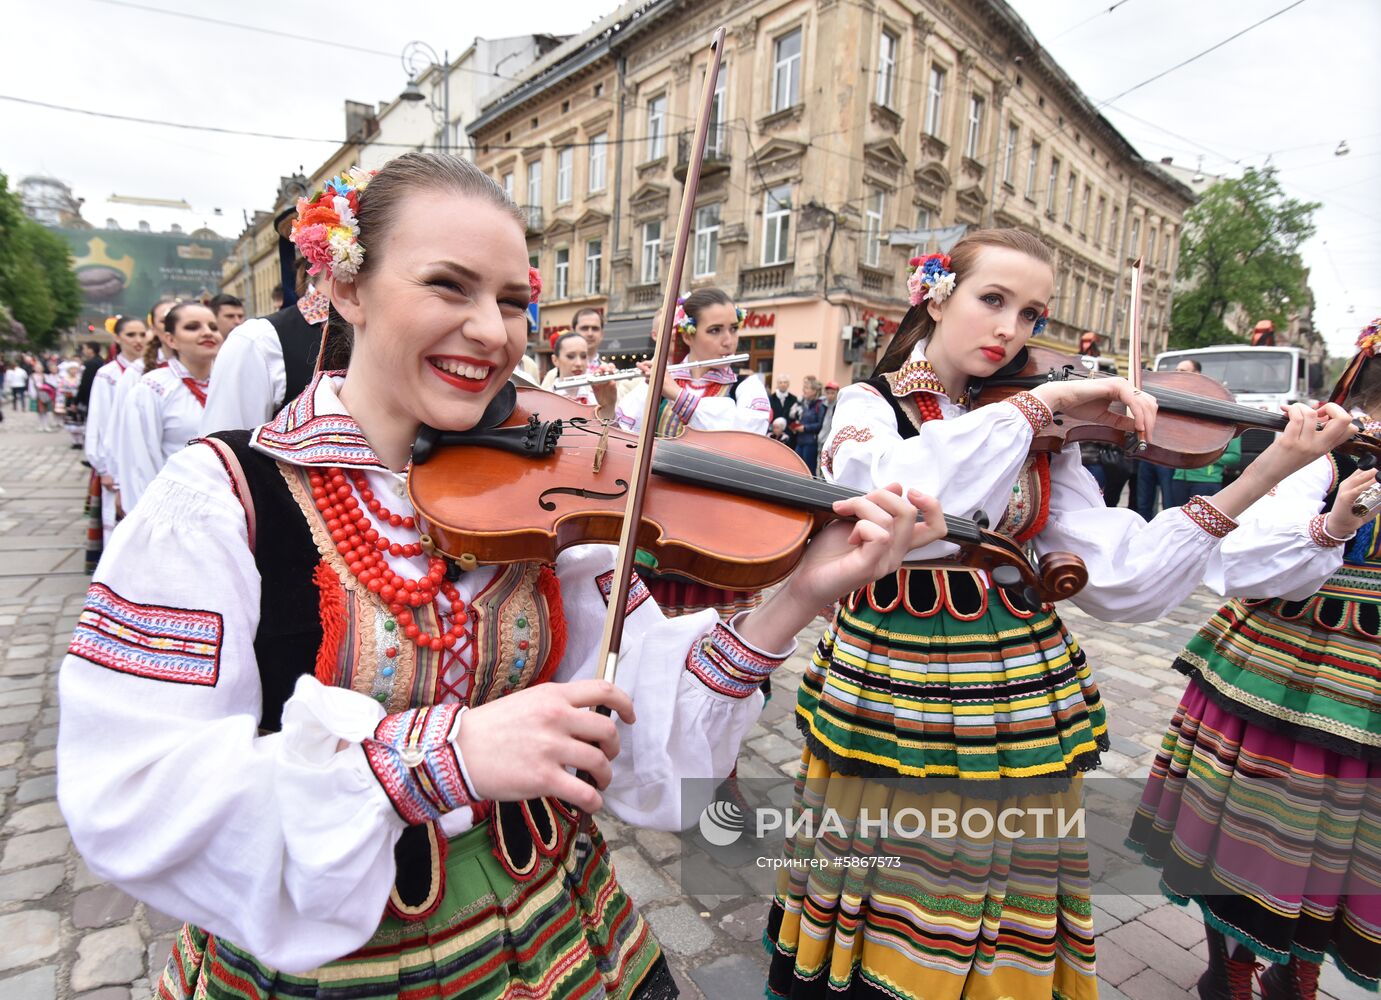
<point>63,934</point>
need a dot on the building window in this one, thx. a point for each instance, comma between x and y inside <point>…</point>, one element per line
<point>1134,248</point>
<point>599,153</point>
<point>922,223</point>
<point>1009,156</point>
<point>786,77</point>
<point>1083,209</point>
<point>1103,315</point>
<point>1088,313</point>
<point>563,273</point>
<point>1165,250</point>
<point>776,225</point>
<point>1051,185</point>
<point>1031,167</point>
<point>1061,305</point>
<point>706,241</point>
<point>1070,185</point>
<point>594,254</point>
<point>652,252</point>
<point>887,68</point>
<point>1150,247</point>
<point>656,127</point>
<point>508,185</point>
<point>534,184</point>
<point>1098,221</point>
<point>872,237</point>
<point>715,137</point>
<point>975,132</point>
<point>1078,299</point>
<point>565,160</point>
<point>1115,229</point>
<point>935,101</point>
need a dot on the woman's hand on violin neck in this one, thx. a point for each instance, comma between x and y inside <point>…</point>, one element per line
<point>1089,398</point>
<point>522,745</point>
<point>1309,435</point>
<point>844,556</point>
<point>1341,522</point>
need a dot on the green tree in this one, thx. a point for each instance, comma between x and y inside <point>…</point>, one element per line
<point>1240,250</point>
<point>37,283</point>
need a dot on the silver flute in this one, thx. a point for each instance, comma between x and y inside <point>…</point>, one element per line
<point>1368,501</point>
<point>626,373</point>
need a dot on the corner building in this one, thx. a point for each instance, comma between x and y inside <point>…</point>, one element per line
<point>840,131</point>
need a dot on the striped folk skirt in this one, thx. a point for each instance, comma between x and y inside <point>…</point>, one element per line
<point>1277,840</point>
<point>868,912</point>
<point>565,932</point>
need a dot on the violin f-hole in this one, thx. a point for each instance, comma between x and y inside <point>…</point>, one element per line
<point>572,491</point>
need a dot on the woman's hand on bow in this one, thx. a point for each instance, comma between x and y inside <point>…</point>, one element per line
<point>520,746</point>
<point>1089,397</point>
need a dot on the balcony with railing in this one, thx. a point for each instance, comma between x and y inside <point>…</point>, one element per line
<point>641,296</point>
<point>716,158</point>
<point>535,222</point>
<point>769,280</point>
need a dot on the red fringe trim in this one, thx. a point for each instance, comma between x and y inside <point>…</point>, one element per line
<point>1043,513</point>
<point>550,588</point>
<point>331,610</point>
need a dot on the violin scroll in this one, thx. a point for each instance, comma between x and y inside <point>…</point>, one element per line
<point>1062,575</point>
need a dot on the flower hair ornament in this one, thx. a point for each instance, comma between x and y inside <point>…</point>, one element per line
<point>1370,338</point>
<point>327,227</point>
<point>683,322</point>
<point>929,278</point>
<point>534,283</point>
<point>1039,327</point>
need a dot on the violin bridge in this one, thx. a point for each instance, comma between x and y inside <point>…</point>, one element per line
<point>602,447</point>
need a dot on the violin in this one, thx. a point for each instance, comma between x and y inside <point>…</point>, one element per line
<point>1196,419</point>
<point>725,508</point>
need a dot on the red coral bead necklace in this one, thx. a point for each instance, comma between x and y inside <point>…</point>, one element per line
<point>363,547</point>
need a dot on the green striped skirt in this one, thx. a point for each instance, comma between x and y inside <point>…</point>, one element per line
<point>568,931</point>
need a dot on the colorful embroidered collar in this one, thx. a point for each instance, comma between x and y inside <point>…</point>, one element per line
<point>315,430</point>
<point>918,375</point>
<point>315,307</point>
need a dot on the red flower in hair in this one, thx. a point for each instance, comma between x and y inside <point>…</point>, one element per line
<point>534,283</point>
<point>555,337</point>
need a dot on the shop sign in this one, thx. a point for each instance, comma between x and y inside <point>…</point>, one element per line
<point>760,321</point>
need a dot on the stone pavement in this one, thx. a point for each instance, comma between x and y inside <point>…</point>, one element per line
<point>64,934</point>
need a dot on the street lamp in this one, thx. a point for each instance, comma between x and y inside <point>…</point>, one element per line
<point>417,58</point>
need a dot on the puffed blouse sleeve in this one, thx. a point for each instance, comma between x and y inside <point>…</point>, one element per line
<point>628,410</point>
<point>138,443</point>
<point>1281,548</point>
<point>282,843</point>
<point>1137,570</point>
<point>694,685</point>
<point>968,462</point>
<point>747,410</point>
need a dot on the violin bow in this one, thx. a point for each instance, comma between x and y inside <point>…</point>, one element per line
<point>1134,339</point>
<point>610,642</point>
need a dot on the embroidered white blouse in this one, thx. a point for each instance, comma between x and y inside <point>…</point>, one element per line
<point>99,416</point>
<point>1138,570</point>
<point>746,410</point>
<point>160,417</point>
<point>124,385</point>
<point>283,842</point>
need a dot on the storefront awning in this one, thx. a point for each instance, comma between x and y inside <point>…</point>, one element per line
<point>626,337</point>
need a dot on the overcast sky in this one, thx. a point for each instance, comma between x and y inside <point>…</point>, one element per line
<point>1289,90</point>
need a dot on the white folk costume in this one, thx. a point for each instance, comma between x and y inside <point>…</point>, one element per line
<point>717,401</point>
<point>264,362</point>
<point>940,690</point>
<point>249,742</point>
<point>161,417</point>
<point>98,446</point>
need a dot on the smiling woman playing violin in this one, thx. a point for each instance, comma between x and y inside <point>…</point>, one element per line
<point>934,689</point>
<point>336,757</point>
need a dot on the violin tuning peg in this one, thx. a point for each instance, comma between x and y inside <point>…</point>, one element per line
<point>980,518</point>
<point>1032,596</point>
<point>1367,461</point>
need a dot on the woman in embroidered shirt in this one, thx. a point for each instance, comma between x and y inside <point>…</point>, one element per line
<point>570,352</point>
<point>163,411</point>
<point>1262,805</point>
<point>285,724</point>
<point>935,690</point>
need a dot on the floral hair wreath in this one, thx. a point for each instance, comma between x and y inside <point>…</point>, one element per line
<point>931,279</point>
<point>683,322</point>
<point>1370,338</point>
<point>534,283</point>
<point>327,227</point>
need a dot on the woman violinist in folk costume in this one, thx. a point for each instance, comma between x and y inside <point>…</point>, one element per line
<point>348,766</point>
<point>935,690</point>
<point>1264,802</point>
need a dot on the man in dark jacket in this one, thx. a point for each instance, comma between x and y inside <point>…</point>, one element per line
<point>783,401</point>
